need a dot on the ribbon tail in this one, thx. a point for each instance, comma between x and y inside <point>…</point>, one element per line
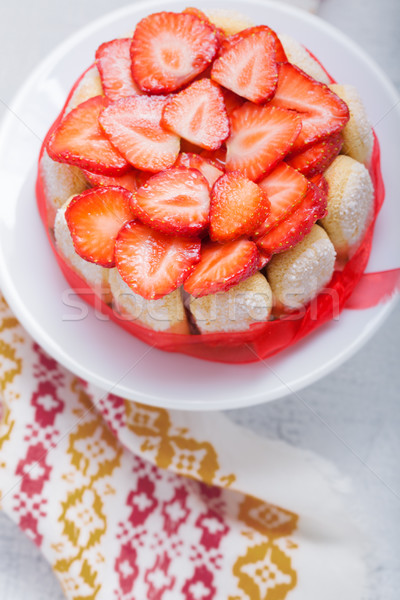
<point>374,288</point>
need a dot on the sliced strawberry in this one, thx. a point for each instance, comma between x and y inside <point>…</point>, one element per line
<point>203,17</point>
<point>320,181</point>
<point>94,219</point>
<point>222,266</point>
<point>143,177</point>
<point>79,140</point>
<point>322,112</point>
<point>169,49</point>
<point>249,67</point>
<point>238,207</point>
<point>129,181</point>
<point>260,138</point>
<point>285,188</point>
<point>191,10</point>
<point>264,259</point>
<point>133,126</point>
<point>151,263</point>
<point>231,40</point>
<point>295,227</point>
<point>207,168</point>
<point>175,201</point>
<point>317,157</point>
<point>198,114</point>
<point>218,157</point>
<point>189,147</point>
<point>113,60</point>
<point>232,101</point>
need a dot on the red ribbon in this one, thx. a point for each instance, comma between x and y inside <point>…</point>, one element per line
<point>374,288</point>
<point>348,288</point>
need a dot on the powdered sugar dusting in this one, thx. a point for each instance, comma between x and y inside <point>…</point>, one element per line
<point>356,205</point>
<point>357,135</point>
<point>235,310</point>
<point>159,315</point>
<point>296,276</point>
<point>96,276</point>
<point>60,182</point>
<point>88,87</point>
<point>350,204</point>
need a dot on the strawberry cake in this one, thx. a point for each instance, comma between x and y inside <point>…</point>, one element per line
<point>206,175</point>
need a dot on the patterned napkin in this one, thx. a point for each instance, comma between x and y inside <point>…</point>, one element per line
<point>129,502</point>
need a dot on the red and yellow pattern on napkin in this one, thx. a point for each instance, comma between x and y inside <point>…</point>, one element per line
<point>130,502</point>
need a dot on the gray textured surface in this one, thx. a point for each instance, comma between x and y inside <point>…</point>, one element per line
<point>351,417</point>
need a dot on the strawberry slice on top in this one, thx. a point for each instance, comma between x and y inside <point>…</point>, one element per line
<point>322,112</point>
<point>217,157</point>
<point>260,138</point>
<point>289,232</point>
<point>129,181</point>
<point>317,158</point>
<point>133,126</point>
<point>198,114</point>
<point>264,259</point>
<point>191,10</point>
<point>170,49</point>
<point>209,169</point>
<point>113,61</point>
<point>222,266</point>
<point>285,188</point>
<point>151,263</point>
<point>248,67</point>
<point>175,201</point>
<point>232,100</point>
<point>320,181</point>
<point>94,219</point>
<point>79,140</point>
<point>238,207</point>
<point>231,40</point>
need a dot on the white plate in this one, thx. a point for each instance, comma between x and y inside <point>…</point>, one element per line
<point>97,349</point>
